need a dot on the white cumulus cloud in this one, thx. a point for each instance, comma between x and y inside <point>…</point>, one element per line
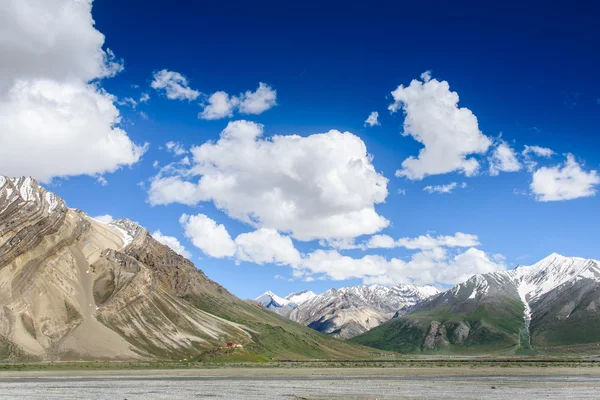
<point>221,105</point>
<point>174,85</point>
<point>503,159</point>
<point>471,262</point>
<point>260,246</point>
<point>266,246</point>
<point>530,151</point>
<point>564,182</point>
<point>373,119</point>
<point>449,134</point>
<point>210,237</point>
<point>432,263</point>
<point>423,242</point>
<point>322,186</point>
<point>447,188</point>
<point>435,265</point>
<point>171,242</point>
<point>259,101</point>
<point>54,122</point>
<point>538,151</point>
<point>176,148</point>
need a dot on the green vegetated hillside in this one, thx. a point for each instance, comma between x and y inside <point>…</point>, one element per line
<point>567,320</point>
<point>487,314</point>
<point>489,327</point>
<point>276,337</point>
<point>265,335</point>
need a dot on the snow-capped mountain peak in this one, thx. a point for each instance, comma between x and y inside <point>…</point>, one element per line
<point>551,272</point>
<point>414,291</point>
<point>271,300</point>
<point>300,297</point>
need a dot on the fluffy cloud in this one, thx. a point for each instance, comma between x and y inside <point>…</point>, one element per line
<point>340,243</point>
<point>259,101</point>
<point>266,246</point>
<point>260,246</point>
<point>423,242</point>
<point>538,151</point>
<point>503,159</point>
<point>105,219</point>
<point>176,148</point>
<point>174,85</point>
<point>448,188</point>
<point>53,121</point>
<point>322,186</point>
<point>373,119</point>
<point>144,98</point>
<point>564,182</point>
<point>53,39</point>
<point>221,105</point>
<point>128,101</point>
<point>210,237</point>
<point>448,133</point>
<point>171,242</point>
<point>432,263</point>
<point>471,262</point>
<point>101,180</point>
<point>424,267</point>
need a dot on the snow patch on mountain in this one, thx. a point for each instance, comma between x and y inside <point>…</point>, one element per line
<point>300,297</point>
<point>551,272</point>
<point>271,300</point>
<point>127,229</point>
<point>27,190</point>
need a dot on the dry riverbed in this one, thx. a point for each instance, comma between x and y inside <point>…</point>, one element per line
<point>307,383</point>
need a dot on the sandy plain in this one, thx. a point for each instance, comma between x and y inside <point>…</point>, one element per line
<point>307,383</point>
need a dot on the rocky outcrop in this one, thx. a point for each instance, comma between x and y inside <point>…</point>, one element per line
<point>437,337</point>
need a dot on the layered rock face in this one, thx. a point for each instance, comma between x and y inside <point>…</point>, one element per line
<point>72,287</point>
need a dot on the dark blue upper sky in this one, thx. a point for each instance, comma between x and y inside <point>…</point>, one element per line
<point>528,70</point>
<point>517,66</point>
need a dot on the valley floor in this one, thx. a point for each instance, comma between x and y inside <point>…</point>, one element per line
<point>457,382</point>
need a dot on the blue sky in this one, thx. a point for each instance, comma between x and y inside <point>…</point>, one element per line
<point>527,73</point>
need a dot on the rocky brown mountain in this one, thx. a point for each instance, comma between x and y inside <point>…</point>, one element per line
<point>72,287</point>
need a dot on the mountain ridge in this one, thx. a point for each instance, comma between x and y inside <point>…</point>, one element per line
<point>349,311</point>
<point>518,309</point>
<point>72,287</point>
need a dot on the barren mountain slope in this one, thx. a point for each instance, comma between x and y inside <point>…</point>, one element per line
<point>72,287</point>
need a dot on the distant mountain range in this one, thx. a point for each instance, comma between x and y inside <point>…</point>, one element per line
<point>72,287</point>
<point>349,311</point>
<point>551,306</point>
